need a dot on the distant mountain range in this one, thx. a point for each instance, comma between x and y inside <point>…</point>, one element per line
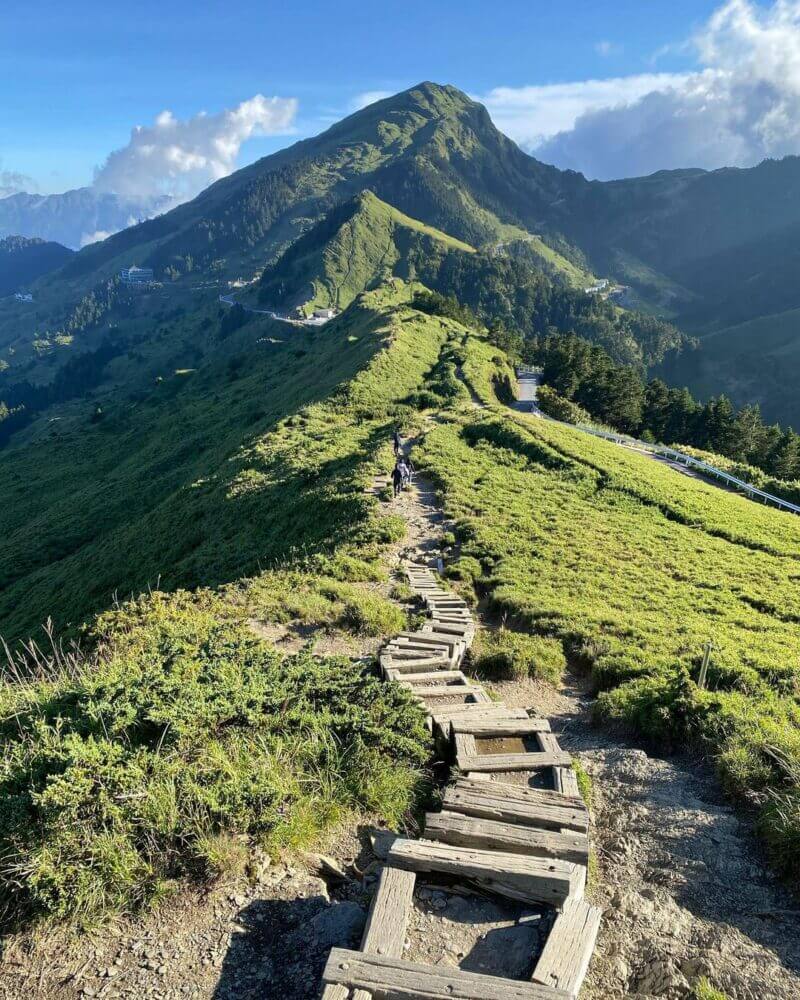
<point>709,250</point>
<point>73,218</point>
<point>23,260</point>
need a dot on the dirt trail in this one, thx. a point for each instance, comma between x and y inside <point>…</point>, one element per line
<point>682,881</point>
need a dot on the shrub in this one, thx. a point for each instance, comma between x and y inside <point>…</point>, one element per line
<point>184,730</point>
<point>371,614</point>
<point>514,655</point>
<point>703,990</point>
<point>464,568</point>
<point>559,408</point>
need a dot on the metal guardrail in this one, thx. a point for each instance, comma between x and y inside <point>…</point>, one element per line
<point>681,457</point>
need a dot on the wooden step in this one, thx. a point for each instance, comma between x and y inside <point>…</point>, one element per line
<point>418,666</point>
<point>446,628</point>
<point>443,716</point>
<point>449,712</point>
<point>568,950</point>
<point>498,728</point>
<point>526,806</point>
<point>433,677</point>
<point>533,761</point>
<point>432,639</point>
<point>433,691</point>
<point>566,781</point>
<point>532,880</point>
<point>470,831</point>
<point>473,696</point>
<point>396,979</point>
<point>385,930</point>
<point>516,793</point>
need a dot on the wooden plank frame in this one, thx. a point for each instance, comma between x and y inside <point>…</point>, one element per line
<point>396,979</point>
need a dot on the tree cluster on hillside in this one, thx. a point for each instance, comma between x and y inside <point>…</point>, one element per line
<point>509,292</point>
<point>21,401</point>
<point>617,395</point>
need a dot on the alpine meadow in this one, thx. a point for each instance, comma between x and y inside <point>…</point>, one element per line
<point>400,566</point>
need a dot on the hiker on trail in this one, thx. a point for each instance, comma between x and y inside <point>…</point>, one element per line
<point>407,468</point>
<point>398,443</point>
<point>397,479</point>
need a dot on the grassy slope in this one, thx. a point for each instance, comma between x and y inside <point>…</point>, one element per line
<point>634,570</point>
<point>149,758</point>
<point>331,270</point>
<point>175,487</point>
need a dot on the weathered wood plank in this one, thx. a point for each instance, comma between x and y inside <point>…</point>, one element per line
<point>469,831</point>
<point>479,798</point>
<point>448,631</point>
<point>566,781</point>
<point>445,690</point>
<point>465,745</point>
<point>537,880</point>
<point>335,991</point>
<point>548,742</point>
<point>513,761</point>
<point>567,952</point>
<point>404,649</point>
<point>432,639</point>
<point>449,712</point>
<point>420,665</point>
<point>514,792</point>
<point>435,677</point>
<point>490,728</point>
<point>448,628</point>
<point>396,979</point>
<point>385,930</point>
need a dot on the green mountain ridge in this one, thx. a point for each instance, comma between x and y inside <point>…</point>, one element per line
<point>434,155</point>
<point>356,246</point>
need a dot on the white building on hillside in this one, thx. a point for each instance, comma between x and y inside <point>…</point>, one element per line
<point>136,275</point>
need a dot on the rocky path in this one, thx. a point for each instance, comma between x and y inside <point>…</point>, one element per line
<point>685,889</point>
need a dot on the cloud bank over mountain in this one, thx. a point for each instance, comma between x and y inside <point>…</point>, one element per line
<point>178,158</point>
<point>741,105</point>
<point>162,165</point>
<point>12,182</point>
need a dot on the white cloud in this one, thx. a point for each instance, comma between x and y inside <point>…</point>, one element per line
<point>740,106</point>
<point>368,97</point>
<point>97,236</point>
<point>178,158</point>
<point>13,182</point>
<point>533,114</point>
<point>607,48</point>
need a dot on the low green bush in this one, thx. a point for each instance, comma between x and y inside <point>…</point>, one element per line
<point>464,568</point>
<point>370,614</point>
<point>703,990</point>
<point>559,408</point>
<point>123,772</point>
<point>504,654</point>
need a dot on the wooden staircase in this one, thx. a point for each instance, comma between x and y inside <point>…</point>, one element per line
<point>523,843</point>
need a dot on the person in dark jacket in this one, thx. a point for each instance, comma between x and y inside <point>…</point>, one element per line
<point>398,442</point>
<point>397,479</point>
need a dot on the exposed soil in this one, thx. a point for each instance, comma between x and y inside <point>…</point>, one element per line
<point>682,880</point>
<point>475,933</point>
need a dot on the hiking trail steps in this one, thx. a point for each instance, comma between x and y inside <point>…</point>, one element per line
<point>492,834</point>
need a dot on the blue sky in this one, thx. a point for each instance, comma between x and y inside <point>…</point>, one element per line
<point>77,77</point>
